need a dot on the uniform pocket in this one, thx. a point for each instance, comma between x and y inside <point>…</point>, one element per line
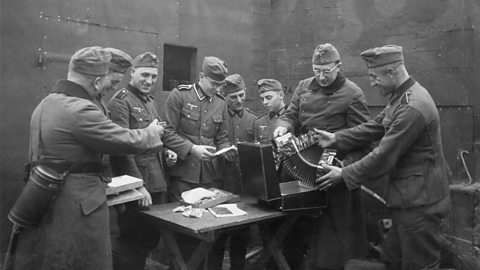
<point>92,202</point>
<point>142,119</point>
<point>189,113</point>
<point>411,187</point>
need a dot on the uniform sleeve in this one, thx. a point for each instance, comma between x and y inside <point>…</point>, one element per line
<point>290,119</point>
<point>407,125</point>
<point>120,114</point>
<point>93,129</point>
<point>171,138</point>
<point>361,135</point>
<point>221,138</point>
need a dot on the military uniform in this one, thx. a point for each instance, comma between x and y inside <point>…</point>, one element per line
<point>134,110</point>
<point>265,124</point>
<point>239,130</point>
<point>410,152</point>
<point>340,232</point>
<point>74,233</point>
<point>199,120</point>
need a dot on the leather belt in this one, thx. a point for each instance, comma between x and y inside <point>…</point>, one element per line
<point>72,167</point>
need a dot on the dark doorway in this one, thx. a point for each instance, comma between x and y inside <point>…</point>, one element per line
<point>178,65</point>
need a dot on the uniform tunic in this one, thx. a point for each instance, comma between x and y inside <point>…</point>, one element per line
<point>199,120</point>
<point>240,129</point>
<point>340,233</point>
<point>74,233</point>
<point>410,152</point>
<point>134,110</point>
<point>264,126</point>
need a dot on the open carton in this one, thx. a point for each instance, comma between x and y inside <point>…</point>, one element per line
<point>205,198</point>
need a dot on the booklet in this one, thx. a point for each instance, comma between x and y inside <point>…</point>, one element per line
<point>226,210</point>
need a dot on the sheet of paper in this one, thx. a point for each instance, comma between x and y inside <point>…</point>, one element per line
<point>226,210</point>
<point>224,150</point>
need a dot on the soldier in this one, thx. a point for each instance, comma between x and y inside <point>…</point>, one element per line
<point>271,94</point>
<point>240,127</point>
<point>410,153</point>
<point>133,107</point>
<point>330,101</point>
<point>240,122</point>
<point>199,115</point>
<point>69,133</point>
<point>119,64</point>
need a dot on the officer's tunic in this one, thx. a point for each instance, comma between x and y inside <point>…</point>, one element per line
<point>411,154</point>
<point>341,228</point>
<point>265,124</point>
<point>240,129</point>
<point>134,110</point>
<point>74,233</point>
<point>199,120</point>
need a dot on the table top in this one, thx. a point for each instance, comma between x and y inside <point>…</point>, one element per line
<point>164,216</point>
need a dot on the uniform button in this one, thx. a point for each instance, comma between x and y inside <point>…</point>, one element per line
<point>204,124</point>
<point>188,115</point>
<point>140,119</point>
<point>205,111</point>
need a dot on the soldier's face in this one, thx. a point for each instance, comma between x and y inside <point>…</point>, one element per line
<point>272,100</point>
<point>236,100</point>
<point>381,79</point>
<point>210,86</point>
<point>114,79</point>
<point>144,78</point>
<point>326,74</point>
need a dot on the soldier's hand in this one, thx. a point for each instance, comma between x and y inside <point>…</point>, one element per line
<point>204,152</point>
<point>146,201</point>
<point>279,131</point>
<point>171,157</point>
<point>331,179</point>
<point>324,138</point>
<point>230,156</point>
<point>156,127</point>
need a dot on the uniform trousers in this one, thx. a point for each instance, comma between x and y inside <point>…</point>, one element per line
<point>133,235</point>
<point>414,241</point>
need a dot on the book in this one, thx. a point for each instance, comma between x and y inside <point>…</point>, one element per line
<point>123,183</point>
<point>123,197</point>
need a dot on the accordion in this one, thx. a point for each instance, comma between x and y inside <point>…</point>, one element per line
<point>283,175</point>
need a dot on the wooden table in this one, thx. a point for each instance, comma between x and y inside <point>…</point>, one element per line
<point>208,228</point>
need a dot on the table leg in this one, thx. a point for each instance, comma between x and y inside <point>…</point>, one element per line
<point>179,262</point>
<point>273,247</point>
<point>197,257</point>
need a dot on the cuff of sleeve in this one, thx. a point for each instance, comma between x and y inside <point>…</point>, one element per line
<point>349,178</point>
<point>182,154</point>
